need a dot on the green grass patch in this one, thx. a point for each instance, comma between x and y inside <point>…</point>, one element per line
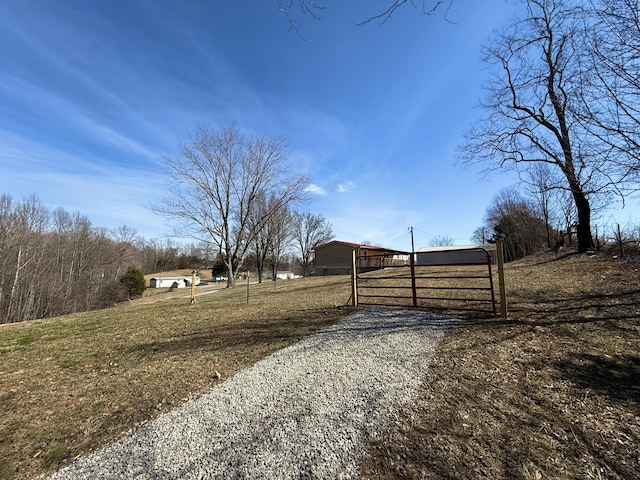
<point>68,364</point>
<point>26,339</point>
<point>6,472</point>
<point>56,456</point>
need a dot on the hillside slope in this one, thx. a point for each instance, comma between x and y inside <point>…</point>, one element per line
<point>553,392</point>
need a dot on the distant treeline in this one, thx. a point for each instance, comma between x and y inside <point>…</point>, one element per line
<point>54,263</point>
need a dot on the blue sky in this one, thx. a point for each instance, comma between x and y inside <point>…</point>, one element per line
<point>93,93</point>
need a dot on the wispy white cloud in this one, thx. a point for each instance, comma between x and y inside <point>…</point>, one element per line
<point>85,126</point>
<point>108,200</point>
<point>119,140</point>
<point>107,194</point>
<point>315,189</point>
<point>346,187</point>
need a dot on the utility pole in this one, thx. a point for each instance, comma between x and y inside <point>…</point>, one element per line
<point>413,248</point>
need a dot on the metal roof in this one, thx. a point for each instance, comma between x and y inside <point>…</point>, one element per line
<point>351,244</point>
<point>453,248</point>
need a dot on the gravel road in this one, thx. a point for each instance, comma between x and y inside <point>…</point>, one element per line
<point>307,411</point>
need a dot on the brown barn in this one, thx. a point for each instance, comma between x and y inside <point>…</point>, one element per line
<point>335,257</point>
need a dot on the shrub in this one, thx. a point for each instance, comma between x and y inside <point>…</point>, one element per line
<point>134,282</point>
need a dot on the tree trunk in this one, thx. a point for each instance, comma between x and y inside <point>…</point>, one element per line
<point>14,288</point>
<point>260,271</point>
<point>585,241</point>
<point>231,276</point>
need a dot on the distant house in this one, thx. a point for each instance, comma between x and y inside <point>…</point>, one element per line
<point>456,255</point>
<point>283,275</point>
<point>335,257</point>
<point>166,282</point>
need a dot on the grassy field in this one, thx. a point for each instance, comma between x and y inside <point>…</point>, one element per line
<point>552,392</point>
<point>71,384</point>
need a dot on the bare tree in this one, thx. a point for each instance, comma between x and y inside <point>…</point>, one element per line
<point>542,185</point>
<point>314,8</point>
<point>612,103</point>
<point>280,238</point>
<point>310,230</point>
<point>568,217</point>
<point>261,242</point>
<point>273,231</point>
<point>531,105</point>
<point>441,241</point>
<point>513,216</point>
<point>482,235</point>
<point>217,183</point>
<point>26,222</point>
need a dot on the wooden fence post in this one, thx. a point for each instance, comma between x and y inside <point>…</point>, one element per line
<point>503,295</point>
<point>193,287</point>
<point>354,280</point>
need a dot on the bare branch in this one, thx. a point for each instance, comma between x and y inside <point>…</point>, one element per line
<point>219,186</point>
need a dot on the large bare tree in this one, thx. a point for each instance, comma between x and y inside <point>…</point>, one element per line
<point>612,104</point>
<point>533,104</point>
<point>217,183</point>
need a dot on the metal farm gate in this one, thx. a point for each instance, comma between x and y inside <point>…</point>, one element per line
<point>394,279</point>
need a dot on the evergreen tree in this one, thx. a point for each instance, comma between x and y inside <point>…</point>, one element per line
<point>134,282</point>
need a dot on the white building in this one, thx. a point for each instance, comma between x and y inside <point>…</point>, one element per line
<point>282,275</point>
<point>166,282</point>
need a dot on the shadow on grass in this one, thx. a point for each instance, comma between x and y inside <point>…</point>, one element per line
<point>264,332</point>
<point>585,308</point>
<point>515,399</point>
<point>618,377</point>
<point>251,333</point>
<point>557,258</point>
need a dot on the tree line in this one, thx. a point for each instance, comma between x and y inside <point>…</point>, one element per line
<point>533,220</point>
<point>54,263</point>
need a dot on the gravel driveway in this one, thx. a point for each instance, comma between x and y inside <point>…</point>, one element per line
<point>307,411</point>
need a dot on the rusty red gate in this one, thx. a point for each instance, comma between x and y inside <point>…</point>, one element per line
<point>395,279</point>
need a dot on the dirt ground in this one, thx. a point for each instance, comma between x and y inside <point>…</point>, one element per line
<point>551,392</point>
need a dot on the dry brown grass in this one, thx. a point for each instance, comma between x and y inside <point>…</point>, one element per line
<point>74,383</point>
<point>553,392</point>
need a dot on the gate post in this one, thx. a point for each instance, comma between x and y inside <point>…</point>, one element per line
<point>503,295</point>
<point>354,279</point>
<point>414,292</point>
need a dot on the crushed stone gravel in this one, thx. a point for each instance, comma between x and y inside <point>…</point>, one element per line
<point>307,411</point>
